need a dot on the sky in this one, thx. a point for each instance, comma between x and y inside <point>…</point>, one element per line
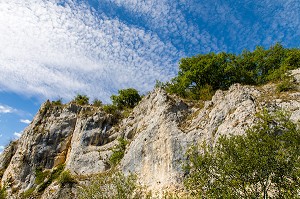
<point>52,49</point>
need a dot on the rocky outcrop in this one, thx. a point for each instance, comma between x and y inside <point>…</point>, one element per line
<point>70,135</point>
<point>159,130</point>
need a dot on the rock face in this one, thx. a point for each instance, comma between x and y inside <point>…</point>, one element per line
<point>70,135</point>
<point>159,131</point>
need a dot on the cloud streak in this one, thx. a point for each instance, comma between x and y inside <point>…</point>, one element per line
<point>6,109</point>
<point>1,149</point>
<point>25,121</point>
<point>17,135</point>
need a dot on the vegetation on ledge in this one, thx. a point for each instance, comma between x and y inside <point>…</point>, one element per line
<point>201,75</point>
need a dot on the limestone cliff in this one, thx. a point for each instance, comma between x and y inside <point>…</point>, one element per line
<point>159,130</point>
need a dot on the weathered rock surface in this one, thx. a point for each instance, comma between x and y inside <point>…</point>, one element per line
<point>70,135</point>
<point>159,130</point>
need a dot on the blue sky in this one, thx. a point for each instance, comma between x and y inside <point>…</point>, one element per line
<point>52,49</point>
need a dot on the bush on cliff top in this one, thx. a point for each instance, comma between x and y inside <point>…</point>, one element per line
<point>220,71</point>
<point>81,99</point>
<point>126,98</point>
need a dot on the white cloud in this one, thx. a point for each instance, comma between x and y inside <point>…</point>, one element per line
<point>25,121</point>
<point>18,135</point>
<point>54,51</point>
<point>51,50</point>
<point>168,19</point>
<point>1,149</point>
<point>6,109</point>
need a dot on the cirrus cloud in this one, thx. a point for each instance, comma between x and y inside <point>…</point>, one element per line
<point>53,50</point>
<point>57,48</point>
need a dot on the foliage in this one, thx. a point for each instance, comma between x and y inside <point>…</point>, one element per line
<point>112,185</point>
<point>51,177</point>
<point>285,85</point>
<point>159,84</point>
<point>118,152</point>
<point>57,102</point>
<point>3,193</point>
<point>40,175</point>
<point>97,103</point>
<point>66,178</point>
<point>127,98</point>
<point>81,99</point>
<point>263,163</point>
<point>28,192</point>
<point>45,108</point>
<point>126,112</point>
<point>220,71</point>
<point>110,109</point>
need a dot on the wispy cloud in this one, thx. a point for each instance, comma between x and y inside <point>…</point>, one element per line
<point>25,121</point>
<point>1,149</point>
<point>17,135</point>
<point>6,109</point>
<point>168,19</point>
<point>52,50</point>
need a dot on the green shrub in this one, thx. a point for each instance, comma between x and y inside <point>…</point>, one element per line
<point>206,92</point>
<point>3,193</point>
<point>97,103</point>
<point>118,152</point>
<point>40,176</point>
<point>66,178</point>
<point>126,98</point>
<point>285,85</point>
<point>28,192</point>
<point>51,177</point>
<point>112,185</point>
<point>159,84</point>
<point>110,109</point>
<point>81,100</point>
<point>57,102</point>
<point>126,112</point>
<point>221,70</point>
<point>45,108</point>
<point>263,163</point>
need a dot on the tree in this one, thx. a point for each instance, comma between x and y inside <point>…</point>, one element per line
<point>263,163</point>
<point>81,99</point>
<point>221,70</point>
<point>127,98</point>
